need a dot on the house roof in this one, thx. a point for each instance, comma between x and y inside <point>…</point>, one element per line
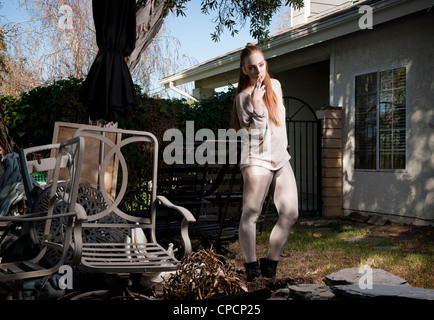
<point>329,25</point>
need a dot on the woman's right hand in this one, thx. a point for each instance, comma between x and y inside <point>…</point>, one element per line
<point>257,94</point>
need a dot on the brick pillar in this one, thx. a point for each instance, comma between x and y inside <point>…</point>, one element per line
<point>331,160</point>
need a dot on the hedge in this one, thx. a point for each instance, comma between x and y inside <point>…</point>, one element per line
<point>30,117</point>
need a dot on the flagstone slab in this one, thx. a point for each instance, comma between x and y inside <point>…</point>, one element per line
<point>311,291</point>
<point>381,291</point>
<point>351,276</point>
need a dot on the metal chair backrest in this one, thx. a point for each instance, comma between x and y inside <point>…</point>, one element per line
<point>38,164</point>
<point>57,220</point>
<point>113,152</point>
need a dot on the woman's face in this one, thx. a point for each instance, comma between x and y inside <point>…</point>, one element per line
<point>254,66</point>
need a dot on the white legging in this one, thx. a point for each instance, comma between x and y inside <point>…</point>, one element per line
<point>257,181</point>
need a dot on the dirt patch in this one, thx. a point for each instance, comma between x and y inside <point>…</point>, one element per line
<point>403,232</point>
<point>278,283</point>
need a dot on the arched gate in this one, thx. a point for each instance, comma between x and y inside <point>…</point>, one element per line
<point>304,139</point>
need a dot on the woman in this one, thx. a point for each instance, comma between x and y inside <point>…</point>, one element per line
<point>258,108</point>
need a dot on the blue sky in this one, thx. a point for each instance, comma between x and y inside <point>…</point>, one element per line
<point>11,11</point>
<point>194,30</point>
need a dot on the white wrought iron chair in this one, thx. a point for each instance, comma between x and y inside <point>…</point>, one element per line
<point>102,241</point>
<point>57,220</point>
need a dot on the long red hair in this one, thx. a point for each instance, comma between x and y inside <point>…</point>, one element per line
<point>270,98</point>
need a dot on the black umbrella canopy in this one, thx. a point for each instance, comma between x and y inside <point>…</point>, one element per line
<point>108,90</point>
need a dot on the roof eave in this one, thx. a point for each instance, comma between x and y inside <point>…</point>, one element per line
<point>324,28</point>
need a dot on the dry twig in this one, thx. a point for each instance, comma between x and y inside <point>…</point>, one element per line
<point>202,275</point>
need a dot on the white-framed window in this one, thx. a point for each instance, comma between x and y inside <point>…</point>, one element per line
<point>380,122</point>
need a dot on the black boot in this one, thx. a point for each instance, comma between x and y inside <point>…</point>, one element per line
<point>268,268</point>
<point>253,270</point>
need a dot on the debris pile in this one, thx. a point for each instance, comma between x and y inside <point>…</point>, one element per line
<point>202,275</point>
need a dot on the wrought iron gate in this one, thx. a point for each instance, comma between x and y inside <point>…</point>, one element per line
<point>304,139</point>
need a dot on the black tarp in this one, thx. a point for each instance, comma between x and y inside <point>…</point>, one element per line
<point>108,90</point>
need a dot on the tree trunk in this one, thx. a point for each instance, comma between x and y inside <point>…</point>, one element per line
<point>7,144</point>
<point>149,19</point>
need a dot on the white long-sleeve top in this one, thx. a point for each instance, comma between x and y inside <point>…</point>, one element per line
<point>267,143</point>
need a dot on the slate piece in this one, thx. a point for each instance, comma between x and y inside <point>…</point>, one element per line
<point>352,276</point>
<point>311,292</point>
<point>382,291</point>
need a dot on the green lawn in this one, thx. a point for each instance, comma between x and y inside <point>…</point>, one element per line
<point>312,252</point>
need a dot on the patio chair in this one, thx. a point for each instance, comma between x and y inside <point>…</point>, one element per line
<point>57,220</point>
<point>118,242</point>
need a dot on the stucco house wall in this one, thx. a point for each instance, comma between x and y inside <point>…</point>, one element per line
<point>403,43</point>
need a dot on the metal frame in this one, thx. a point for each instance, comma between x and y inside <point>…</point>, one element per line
<point>311,202</point>
<point>62,207</point>
<point>100,238</point>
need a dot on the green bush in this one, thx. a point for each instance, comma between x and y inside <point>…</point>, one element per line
<point>213,113</point>
<point>31,116</point>
<point>155,115</point>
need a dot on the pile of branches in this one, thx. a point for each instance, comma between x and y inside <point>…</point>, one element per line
<point>202,275</point>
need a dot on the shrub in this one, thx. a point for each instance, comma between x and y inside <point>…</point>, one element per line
<point>31,116</point>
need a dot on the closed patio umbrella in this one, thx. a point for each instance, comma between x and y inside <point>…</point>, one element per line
<point>108,90</point>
